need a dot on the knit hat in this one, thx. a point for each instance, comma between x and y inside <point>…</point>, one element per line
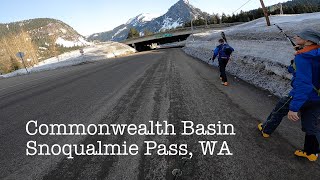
<point>311,35</point>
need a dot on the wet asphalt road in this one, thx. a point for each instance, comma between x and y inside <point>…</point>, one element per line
<point>151,86</point>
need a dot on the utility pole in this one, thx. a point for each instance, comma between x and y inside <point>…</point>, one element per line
<point>281,9</point>
<point>265,11</point>
<point>21,55</point>
<point>191,17</point>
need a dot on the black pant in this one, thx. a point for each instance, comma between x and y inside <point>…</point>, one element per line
<point>222,66</point>
<point>310,120</point>
<point>311,144</point>
<point>274,119</point>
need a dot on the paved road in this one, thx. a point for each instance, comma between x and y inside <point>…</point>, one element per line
<point>157,85</point>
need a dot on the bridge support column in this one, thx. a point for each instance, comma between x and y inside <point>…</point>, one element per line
<point>134,46</point>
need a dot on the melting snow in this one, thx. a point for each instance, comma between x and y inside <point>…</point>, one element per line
<point>80,42</point>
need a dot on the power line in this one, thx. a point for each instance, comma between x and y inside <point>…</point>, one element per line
<point>241,6</point>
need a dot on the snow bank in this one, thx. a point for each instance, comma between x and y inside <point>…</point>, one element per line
<point>262,53</point>
<point>92,53</point>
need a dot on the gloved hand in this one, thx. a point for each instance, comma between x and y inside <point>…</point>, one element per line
<point>291,68</point>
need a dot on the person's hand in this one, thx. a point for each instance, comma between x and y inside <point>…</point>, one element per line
<point>293,116</point>
<point>297,47</point>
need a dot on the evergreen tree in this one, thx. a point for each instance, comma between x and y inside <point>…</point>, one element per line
<point>146,32</point>
<point>133,33</point>
<point>223,18</point>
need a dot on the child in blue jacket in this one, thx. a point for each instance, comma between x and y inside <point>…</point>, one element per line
<point>304,97</point>
<point>223,52</point>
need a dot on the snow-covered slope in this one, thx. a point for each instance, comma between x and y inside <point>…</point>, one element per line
<point>262,53</point>
<point>142,18</point>
<point>80,41</point>
<point>44,33</point>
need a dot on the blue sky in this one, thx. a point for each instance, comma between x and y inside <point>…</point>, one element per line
<point>91,16</point>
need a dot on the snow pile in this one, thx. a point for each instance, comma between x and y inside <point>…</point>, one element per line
<point>262,53</point>
<point>79,42</point>
<point>92,53</point>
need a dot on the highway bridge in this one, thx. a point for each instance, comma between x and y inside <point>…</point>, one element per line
<point>146,42</point>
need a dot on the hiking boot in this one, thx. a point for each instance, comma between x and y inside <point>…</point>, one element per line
<point>225,83</point>
<point>260,129</point>
<point>311,157</point>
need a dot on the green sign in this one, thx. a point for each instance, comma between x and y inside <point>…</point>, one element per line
<point>163,35</point>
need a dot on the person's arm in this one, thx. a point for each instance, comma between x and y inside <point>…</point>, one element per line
<point>231,48</point>
<point>216,52</point>
<point>302,84</point>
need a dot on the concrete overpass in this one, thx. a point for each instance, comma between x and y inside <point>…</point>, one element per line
<point>143,43</point>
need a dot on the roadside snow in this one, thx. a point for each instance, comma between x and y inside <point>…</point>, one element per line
<point>262,53</point>
<point>92,53</point>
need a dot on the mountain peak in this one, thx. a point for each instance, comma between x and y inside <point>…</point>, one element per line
<point>184,1</point>
<point>178,14</point>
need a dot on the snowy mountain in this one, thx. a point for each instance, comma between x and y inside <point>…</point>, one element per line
<point>177,15</point>
<point>119,33</point>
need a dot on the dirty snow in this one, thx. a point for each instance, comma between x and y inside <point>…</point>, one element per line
<point>92,53</point>
<point>262,53</point>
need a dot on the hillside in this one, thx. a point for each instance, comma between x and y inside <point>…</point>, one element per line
<point>39,38</point>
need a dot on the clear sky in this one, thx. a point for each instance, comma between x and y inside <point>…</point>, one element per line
<point>92,16</point>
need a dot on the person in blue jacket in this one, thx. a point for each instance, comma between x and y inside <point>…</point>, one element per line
<point>223,52</point>
<point>304,96</point>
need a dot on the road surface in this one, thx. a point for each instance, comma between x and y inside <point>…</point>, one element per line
<point>160,85</point>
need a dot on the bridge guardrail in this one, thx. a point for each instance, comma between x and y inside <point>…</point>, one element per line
<point>168,33</point>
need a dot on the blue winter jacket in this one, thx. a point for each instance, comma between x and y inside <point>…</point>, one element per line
<point>306,78</point>
<point>218,49</point>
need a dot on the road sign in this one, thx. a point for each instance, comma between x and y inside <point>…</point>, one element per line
<point>163,35</point>
<point>20,55</point>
